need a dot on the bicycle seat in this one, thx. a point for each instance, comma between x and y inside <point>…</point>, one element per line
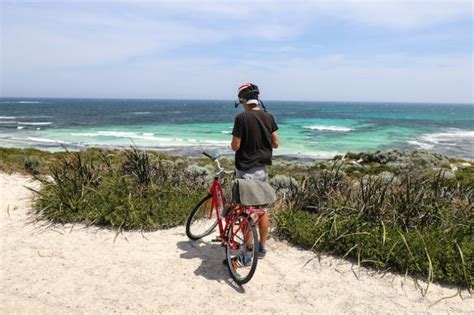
<point>253,192</point>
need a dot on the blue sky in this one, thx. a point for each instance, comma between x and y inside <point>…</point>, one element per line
<point>387,50</point>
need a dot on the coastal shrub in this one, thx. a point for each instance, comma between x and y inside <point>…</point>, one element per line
<point>198,173</point>
<point>32,164</point>
<point>378,168</point>
<point>133,194</point>
<point>353,155</point>
<point>431,254</point>
<point>398,160</point>
<point>464,178</point>
<point>415,223</point>
<point>283,183</point>
<point>23,160</point>
<point>137,164</point>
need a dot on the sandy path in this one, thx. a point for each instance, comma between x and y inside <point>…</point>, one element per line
<point>84,271</point>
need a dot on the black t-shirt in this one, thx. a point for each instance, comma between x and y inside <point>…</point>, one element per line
<point>254,128</point>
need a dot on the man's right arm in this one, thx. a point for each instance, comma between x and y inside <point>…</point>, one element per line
<point>235,144</point>
<point>236,134</point>
<point>275,140</point>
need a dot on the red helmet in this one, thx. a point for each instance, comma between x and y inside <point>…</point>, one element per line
<point>248,91</point>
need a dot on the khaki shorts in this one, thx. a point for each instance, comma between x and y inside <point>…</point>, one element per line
<point>255,173</point>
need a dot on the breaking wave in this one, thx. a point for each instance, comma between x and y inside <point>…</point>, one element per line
<point>451,137</point>
<point>328,128</point>
<point>45,123</point>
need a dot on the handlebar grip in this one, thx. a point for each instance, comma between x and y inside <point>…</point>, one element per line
<point>209,156</point>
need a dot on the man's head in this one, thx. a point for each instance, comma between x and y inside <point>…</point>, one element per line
<point>248,94</point>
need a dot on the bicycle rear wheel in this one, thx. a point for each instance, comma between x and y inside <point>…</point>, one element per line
<point>242,249</point>
<point>202,221</point>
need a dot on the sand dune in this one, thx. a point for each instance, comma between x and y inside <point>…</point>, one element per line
<point>74,269</point>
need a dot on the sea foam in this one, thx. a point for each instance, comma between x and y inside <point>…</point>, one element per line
<point>27,123</point>
<point>141,113</point>
<point>20,102</point>
<point>173,142</point>
<point>45,140</point>
<point>449,137</point>
<point>328,128</point>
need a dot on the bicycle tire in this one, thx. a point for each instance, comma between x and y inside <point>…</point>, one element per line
<point>209,226</point>
<point>241,279</point>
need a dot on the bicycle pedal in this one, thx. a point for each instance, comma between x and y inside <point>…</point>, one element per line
<point>217,240</point>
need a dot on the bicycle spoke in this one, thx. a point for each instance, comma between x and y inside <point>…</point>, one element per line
<point>202,220</point>
<point>242,247</point>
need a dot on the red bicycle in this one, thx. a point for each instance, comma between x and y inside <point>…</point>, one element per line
<point>237,230</point>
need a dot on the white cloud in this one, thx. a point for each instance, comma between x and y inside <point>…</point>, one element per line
<point>397,14</point>
<point>332,77</point>
<point>392,14</point>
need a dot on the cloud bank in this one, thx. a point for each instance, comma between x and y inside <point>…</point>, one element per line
<point>302,50</point>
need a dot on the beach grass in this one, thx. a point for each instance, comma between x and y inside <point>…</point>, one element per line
<point>417,224</point>
<point>409,212</point>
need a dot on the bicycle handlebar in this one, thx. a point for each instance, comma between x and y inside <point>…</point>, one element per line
<point>221,169</point>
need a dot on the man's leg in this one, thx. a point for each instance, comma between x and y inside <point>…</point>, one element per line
<point>263,226</point>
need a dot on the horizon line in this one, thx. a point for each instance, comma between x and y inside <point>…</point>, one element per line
<point>232,100</point>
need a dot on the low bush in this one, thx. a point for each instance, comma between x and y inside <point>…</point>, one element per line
<point>417,223</point>
<point>32,165</point>
<point>464,178</point>
<point>24,160</point>
<point>430,253</point>
<point>133,194</point>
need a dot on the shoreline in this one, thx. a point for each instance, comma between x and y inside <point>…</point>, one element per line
<point>196,152</point>
<point>188,151</point>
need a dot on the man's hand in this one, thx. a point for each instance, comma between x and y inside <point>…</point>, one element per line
<point>235,144</point>
<point>275,140</point>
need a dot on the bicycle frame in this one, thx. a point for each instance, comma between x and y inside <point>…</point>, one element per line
<point>236,223</point>
<point>236,210</point>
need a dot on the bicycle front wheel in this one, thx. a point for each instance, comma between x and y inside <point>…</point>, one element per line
<point>202,221</point>
<point>242,249</point>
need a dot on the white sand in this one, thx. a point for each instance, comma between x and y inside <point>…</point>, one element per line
<point>82,270</point>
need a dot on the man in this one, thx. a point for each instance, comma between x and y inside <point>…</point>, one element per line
<point>254,138</point>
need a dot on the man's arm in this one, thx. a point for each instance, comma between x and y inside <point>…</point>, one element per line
<point>275,140</point>
<point>235,144</point>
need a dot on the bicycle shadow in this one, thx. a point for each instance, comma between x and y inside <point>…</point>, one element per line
<point>211,267</point>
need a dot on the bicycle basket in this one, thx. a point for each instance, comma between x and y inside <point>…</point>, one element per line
<point>252,192</point>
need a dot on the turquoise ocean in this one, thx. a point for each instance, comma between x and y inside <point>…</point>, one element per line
<point>307,129</point>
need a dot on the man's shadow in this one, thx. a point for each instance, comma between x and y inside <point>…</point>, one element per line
<point>211,255</point>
